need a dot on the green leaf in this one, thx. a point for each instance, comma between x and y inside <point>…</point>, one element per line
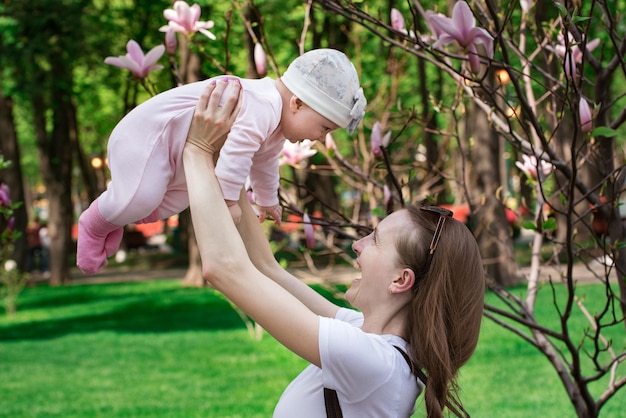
<point>530,225</point>
<point>549,225</point>
<point>378,212</point>
<point>604,131</point>
<point>562,9</point>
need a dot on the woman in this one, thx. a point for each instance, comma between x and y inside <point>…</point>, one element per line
<point>421,292</point>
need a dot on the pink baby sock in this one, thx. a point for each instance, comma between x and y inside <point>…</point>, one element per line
<point>97,240</point>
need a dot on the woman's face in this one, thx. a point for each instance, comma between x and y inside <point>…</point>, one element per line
<point>377,258</point>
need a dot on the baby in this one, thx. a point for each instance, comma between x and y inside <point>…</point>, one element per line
<point>319,92</point>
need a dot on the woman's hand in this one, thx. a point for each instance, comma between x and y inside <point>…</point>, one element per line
<point>214,115</point>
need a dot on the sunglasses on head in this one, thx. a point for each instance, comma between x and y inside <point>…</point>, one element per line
<point>443,215</point>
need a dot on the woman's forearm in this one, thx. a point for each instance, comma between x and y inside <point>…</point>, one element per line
<point>261,255</point>
<point>205,197</point>
<point>226,265</point>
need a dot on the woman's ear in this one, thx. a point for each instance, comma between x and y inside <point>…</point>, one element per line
<point>404,282</point>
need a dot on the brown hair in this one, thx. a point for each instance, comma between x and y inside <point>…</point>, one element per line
<point>446,311</point>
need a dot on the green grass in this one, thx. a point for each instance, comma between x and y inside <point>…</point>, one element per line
<point>157,349</point>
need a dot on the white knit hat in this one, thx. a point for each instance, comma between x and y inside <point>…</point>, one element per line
<point>326,81</point>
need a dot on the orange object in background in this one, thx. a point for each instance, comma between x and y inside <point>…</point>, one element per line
<point>147,230</point>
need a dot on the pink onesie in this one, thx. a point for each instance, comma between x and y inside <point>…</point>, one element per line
<point>145,159</point>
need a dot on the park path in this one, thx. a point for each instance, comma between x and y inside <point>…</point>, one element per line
<point>336,274</point>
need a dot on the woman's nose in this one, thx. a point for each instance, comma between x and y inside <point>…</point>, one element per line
<point>355,247</point>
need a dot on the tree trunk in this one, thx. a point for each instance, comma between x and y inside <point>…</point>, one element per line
<point>490,225</point>
<point>13,177</point>
<point>89,176</point>
<point>193,276</point>
<point>190,72</point>
<point>55,153</point>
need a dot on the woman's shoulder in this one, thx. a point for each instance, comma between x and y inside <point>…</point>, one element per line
<point>363,367</point>
<point>351,316</point>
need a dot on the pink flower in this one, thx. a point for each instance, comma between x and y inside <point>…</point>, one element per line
<point>525,4</point>
<point>386,194</point>
<point>570,66</point>
<point>530,166</point>
<point>251,197</point>
<point>397,20</point>
<point>330,142</point>
<point>260,60</point>
<point>386,139</point>
<point>560,49</point>
<point>294,152</point>
<point>584,112</point>
<point>462,29</point>
<point>184,19</point>
<point>5,195</point>
<point>574,55</point>
<point>135,61</point>
<point>170,41</point>
<point>309,235</point>
<point>376,140</point>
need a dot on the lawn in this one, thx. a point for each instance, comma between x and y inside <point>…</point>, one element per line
<point>158,349</point>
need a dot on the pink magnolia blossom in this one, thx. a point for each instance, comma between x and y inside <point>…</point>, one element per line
<point>170,42</point>
<point>462,29</point>
<point>5,195</point>
<point>529,166</point>
<point>386,139</point>
<point>260,60</point>
<point>525,5</point>
<point>136,62</point>
<point>294,152</point>
<point>11,224</point>
<point>329,141</point>
<point>573,56</point>
<point>309,233</point>
<point>386,194</point>
<point>397,20</point>
<point>397,23</point>
<point>376,140</point>
<point>185,19</point>
<point>584,112</point>
<point>251,197</point>
<point>560,49</point>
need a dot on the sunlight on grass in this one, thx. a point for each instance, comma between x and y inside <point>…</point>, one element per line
<point>158,349</point>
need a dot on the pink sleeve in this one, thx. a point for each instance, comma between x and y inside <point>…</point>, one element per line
<point>257,120</point>
<point>264,175</point>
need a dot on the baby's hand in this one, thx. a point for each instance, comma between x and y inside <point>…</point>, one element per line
<point>235,210</point>
<point>275,212</point>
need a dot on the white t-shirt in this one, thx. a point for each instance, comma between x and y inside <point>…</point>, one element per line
<point>371,377</point>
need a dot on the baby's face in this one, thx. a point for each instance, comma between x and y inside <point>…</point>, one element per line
<point>301,122</point>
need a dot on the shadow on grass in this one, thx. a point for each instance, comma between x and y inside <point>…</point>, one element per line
<point>133,308</point>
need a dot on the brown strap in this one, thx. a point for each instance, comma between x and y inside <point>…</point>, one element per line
<point>333,409</point>
<point>414,369</point>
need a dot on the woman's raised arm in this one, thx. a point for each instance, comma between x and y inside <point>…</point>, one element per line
<point>225,262</point>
